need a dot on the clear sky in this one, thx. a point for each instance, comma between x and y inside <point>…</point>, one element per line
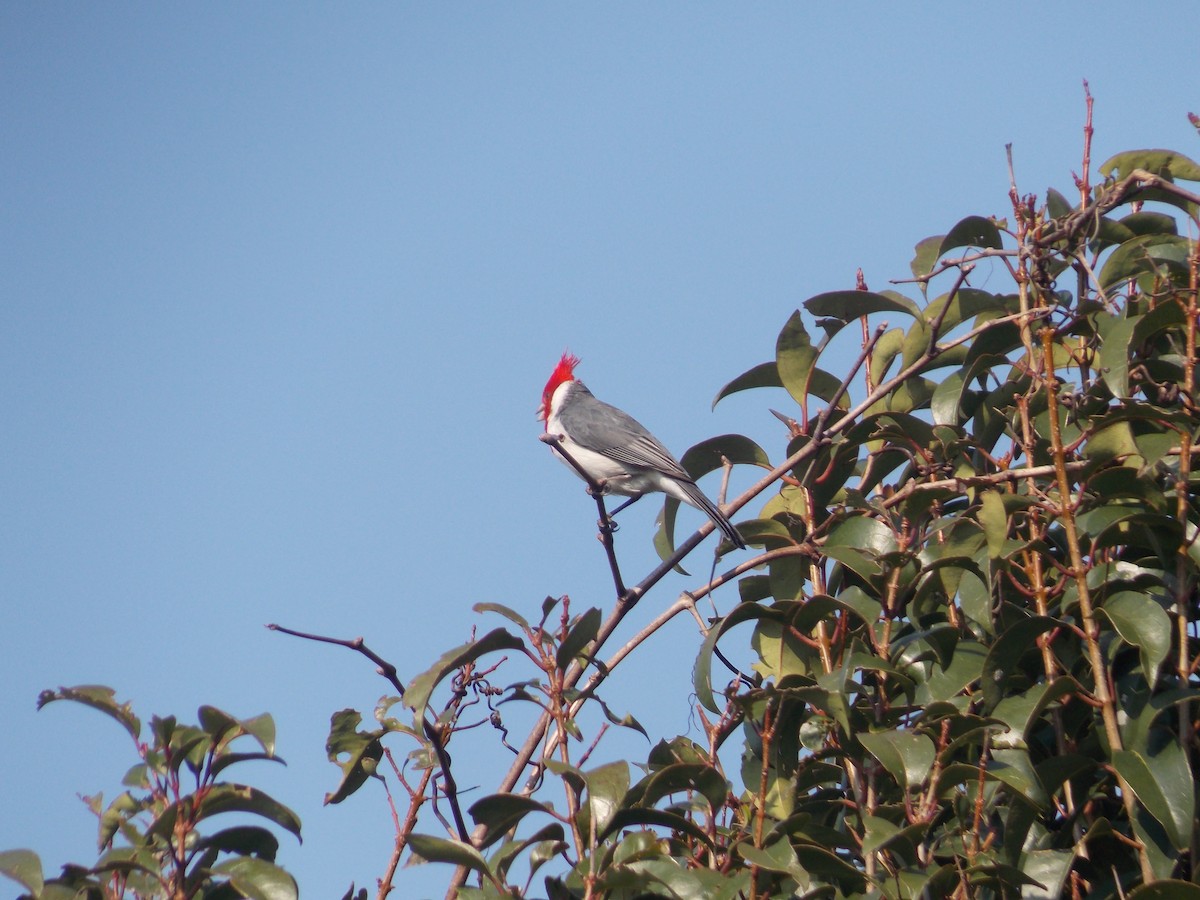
<point>280,285</point>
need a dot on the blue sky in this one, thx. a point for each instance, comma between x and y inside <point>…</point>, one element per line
<point>280,286</point>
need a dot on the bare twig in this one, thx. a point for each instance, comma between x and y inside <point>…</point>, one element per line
<point>438,736</point>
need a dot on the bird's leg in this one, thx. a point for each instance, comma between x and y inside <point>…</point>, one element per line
<point>608,522</point>
<point>629,502</point>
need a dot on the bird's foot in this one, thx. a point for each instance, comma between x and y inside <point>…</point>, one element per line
<point>599,489</point>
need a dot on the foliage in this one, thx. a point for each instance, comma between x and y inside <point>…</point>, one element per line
<point>971,621</point>
<point>150,836</point>
<point>972,615</point>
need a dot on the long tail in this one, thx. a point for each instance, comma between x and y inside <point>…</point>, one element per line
<point>696,497</point>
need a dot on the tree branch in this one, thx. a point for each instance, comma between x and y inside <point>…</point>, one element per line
<point>432,730</point>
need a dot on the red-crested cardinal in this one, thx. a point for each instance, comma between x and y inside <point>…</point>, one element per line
<point>615,449</point>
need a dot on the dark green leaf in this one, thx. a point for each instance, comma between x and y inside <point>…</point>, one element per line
<point>847,306</point>
<point>925,256</point>
<point>362,751</point>
<point>228,759</point>
<point>1006,654</point>
<point>701,673</point>
<point>631,817</point>
<point>1114,353</point>
<point>582,633</point>
<point>231,798</point>
<point>509,614</point>
<point>681,777</point>
<point>1167,889</point>
<point>244,840</point>
<point>1146,254</point>
<point>499,813</point>
<point>864,533</point>
<point>257,879</point>
<point>1166,163</point>
<point>438,849</point>
<point>606,788</point>
<point>1143,623</point>
<point>217,723</point>
<point>763,375</point>
<point>1165,787</point>
<point>973,231</point>
<point>1014,767</point>
<point>1056,204</point>
<point>908,757</point>
<point>99,697</point>
<point>795,357</point>
<point>994,520</point>
<point>422,686</point>
<point>710,455</point>
<point>1148,222</point>
<point>885,352</point>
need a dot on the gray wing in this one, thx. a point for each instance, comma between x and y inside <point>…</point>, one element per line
<point>602,428</point>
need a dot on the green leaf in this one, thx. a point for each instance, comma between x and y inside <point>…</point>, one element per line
<point>257,879</point>
<point>1111,441</point>
<point>1056,204</point>
<point>582,633</point>
<point>994,520</point>
<point>23,867</point>
<point>244,840</point>
<point>1166,889</point>
<point>1014,767</point>
<point>1114,353</point>
<point>683,777</point>
<point>120,811</point>
<point>421,687</point>
<point>631,817</point>
<point>973,231</point>
<point>865,533</point>
<point>907,756</point>
<point>225,760</point>
<point>847,306</point>
<point>606,788</point>
<point>1164,785</point>
<point>795,357</point>
<point>1166,163</point>
<point>1147,222</point>
<point>925,256</point>
<point>510,614</point>
<point>710,455</point>
<point>217,723</point>
<point>1145,254</point>
<point>763,375</point>
<point>362,750</point>
<point>439,849</point>
<point>547,839</point>
<point>99,697</point>
<point>702,671</point>
<point>231,798</point>
<point>1021,712</point>
<point>1005,656</point>
<point>885,352</point>
<point>1143,623</point>
<point>499,813</point>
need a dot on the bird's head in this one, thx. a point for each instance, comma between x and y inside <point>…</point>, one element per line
<point>563,372</point>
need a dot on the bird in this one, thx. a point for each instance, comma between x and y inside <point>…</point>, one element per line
<point>615,449</point>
